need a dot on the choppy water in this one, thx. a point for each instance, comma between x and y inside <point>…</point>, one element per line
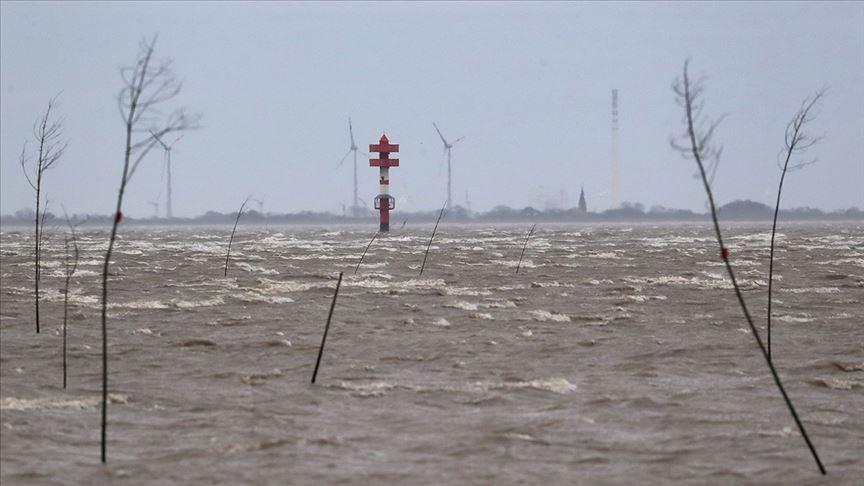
<point>617,355</point>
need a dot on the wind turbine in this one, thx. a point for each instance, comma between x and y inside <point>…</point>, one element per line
<point>155,205</point>
<point>355,208</point>
<point>167,149</point>
<point>447,147</point>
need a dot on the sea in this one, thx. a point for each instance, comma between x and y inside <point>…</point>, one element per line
<point>616,354</point>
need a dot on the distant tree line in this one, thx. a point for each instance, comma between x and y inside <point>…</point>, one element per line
<point>734,211</point>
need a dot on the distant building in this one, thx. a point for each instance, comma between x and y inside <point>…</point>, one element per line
<point>583,206</point>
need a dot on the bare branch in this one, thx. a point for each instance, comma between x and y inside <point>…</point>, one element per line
<point>801,165</point>
<point>147,147</point>
<point>24,161</point>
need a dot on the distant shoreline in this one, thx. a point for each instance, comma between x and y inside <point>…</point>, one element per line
<point>190,222</point>
<point>743,211</point>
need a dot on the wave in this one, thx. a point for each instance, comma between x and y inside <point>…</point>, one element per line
<point>544,315</point>
<point>461,305</point>
<point>789,318</point>
<point>498,304</point>
<point>259,297</point>
<point>850,365</point>
<point>838,383</point>
<point>858,262</point>
<point>55,403</point>
<point>379,388</point>
<point>811,290</point>
<point>253,269</point>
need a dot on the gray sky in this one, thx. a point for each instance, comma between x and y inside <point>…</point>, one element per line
<point>527,84</point>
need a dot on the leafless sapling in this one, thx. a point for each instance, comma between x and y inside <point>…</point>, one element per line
<point>796,142</point>
<point>69,270</point>
<point>230,240</point>
<point>697,143</point>
<point>47,134</point>
<point>147,85</point>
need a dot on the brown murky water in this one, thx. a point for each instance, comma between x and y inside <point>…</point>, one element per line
<point>617,355</point>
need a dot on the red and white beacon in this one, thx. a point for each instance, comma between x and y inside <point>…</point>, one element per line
<point>384,202</point>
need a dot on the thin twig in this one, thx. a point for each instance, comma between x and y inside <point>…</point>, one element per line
<point>426,255</point>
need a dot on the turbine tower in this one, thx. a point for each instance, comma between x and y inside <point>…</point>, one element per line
<point>447,147</point>
<point>167,149</point>
<point>355,208</point>
<point>616,163</point>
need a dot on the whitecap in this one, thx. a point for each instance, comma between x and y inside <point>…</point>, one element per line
<point>462,305</point>
<point>812,290</point>
<point>78,403</point>
<point>514,263</point>
<point>839,383</point>
<point>253,269</point>
<point>257,297</point>
<point>544,315</point>
<point>799,318</point>
<point>555,385</point>
<point>499,304</point>
<point>191,304</point>
<point>858,262</point>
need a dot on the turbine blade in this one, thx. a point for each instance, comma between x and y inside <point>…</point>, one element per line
<point>439,134</point>
<point>351,131</point>
<point>343,159</point>
<point>454,141</point>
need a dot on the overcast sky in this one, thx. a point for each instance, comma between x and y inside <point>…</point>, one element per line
<point>527,84</point>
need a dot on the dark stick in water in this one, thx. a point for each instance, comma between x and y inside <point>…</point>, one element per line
<point>70,270</point>
<point>364,252</point>
<point>239,213</point>
<point>525,246</point>
<point>326,328</point>
<point>432,237</point>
